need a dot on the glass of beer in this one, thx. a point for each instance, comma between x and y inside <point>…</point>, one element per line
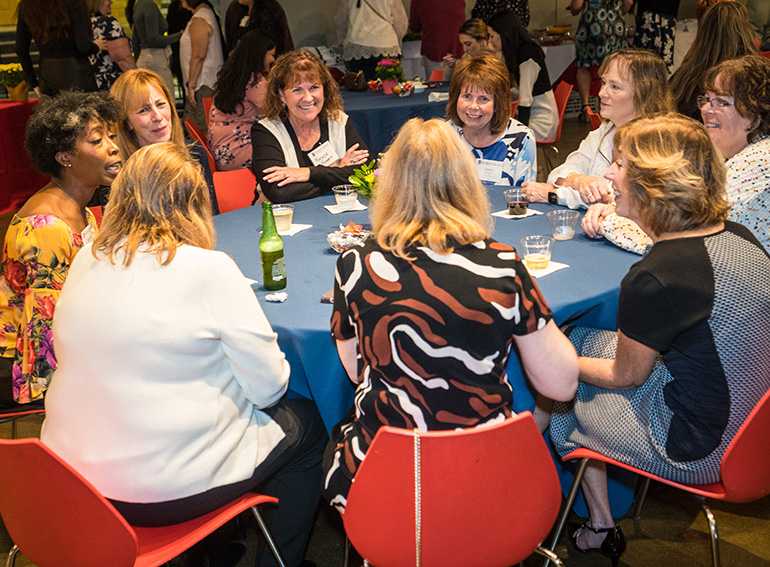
<point>516,201</point>
<point>283,215</point>
<point>536,251</point>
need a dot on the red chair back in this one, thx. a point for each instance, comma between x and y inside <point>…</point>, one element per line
<point>207,104</point>
<point>234,189</point>
<point>489,496</point>
<point>765,54</point>
<point>196,134</point>
<point>596,119</point>
<point>436,76</point>
<point>561,94</point>
<point>746,463</point>
<point>514,106</point>
<point>54,515</point>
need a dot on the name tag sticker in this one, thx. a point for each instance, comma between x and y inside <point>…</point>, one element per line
<point>323,154</point>
<point>489,171</point>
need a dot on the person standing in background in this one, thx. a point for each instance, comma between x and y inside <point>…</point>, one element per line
<point>759,14</point>
<point>151,44</point>
<point>485,9</point>
<point>62,32</point>
<point>266,15</point>
<point>656,26</point>
<point>438,21</point>
<point>109,64</point>
<point>176,18</point>
<point>370,30</point>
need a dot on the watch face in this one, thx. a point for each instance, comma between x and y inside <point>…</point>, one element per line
<point>553,198</point>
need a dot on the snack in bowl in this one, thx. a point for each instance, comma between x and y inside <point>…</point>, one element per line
<point>347,237</point>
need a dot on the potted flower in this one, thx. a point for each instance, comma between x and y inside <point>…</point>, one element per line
<point>363,178</point>
<point>12,77</point>
<point>390,72</point>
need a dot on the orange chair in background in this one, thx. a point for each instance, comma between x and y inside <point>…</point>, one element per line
<point>745,474</point>
<point>196,134</point>
<point>514,106</point>
<point>596,119</point>
<point>208,102</point>
<point>66,521</point>
<point>485,496</point>
<point>234,189</point>
<point>436,76</point>
<point>561,94</point>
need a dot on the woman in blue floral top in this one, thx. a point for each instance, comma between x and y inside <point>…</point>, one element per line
<point>109,64</point>
<point>69,138</point>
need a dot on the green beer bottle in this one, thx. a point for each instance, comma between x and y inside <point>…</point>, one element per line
<point>271,250</point>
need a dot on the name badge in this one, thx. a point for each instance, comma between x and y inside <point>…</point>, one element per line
<point>323,154</point>
<point>490,171</point>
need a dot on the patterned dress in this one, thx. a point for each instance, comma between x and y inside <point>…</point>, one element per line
<point>656,27</point>
<point>748,189</point>
<point>704,304</point>
<point>106,70</point>
<point>434,335</point>
<point>515,150</point>
<point>37,255</point>
<point>601,31</point>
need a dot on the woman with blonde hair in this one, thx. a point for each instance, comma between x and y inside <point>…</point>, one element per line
<point>724,33</point>
<point>151,118</point>
<point>668,392</point>
<point>170,395</point>
<point>634,84</point>
<point>305,144</point>
<point>480,108</point>
<point>425,314</point>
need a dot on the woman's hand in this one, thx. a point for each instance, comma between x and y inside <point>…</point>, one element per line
<point>353,156</point>
<point>592,221</point>
<point>101,43</point>
<point>450,60</point>
<point>537,192</point>
<point>592,189</point>
<point>191,97</point>
<point>285,175</point>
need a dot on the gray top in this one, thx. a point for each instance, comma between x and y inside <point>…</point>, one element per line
<point>150,27</point>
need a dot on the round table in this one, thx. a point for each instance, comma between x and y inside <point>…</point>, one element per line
<point>589,287</point>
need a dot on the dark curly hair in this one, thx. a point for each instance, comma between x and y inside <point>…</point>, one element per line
<point>246,61</point>
<point>59,121</point>
<point>747,80</point>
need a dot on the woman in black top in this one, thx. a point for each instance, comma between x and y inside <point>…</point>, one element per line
<point>62,31</point>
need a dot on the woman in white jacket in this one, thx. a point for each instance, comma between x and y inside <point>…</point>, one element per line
<point>169,396</point>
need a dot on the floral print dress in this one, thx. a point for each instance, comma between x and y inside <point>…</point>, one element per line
<point>37,255</point>
<point>106,70</point>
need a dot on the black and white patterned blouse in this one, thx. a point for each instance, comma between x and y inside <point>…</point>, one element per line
<point>106,70</point>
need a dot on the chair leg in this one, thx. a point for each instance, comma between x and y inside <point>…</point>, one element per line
<point>550,555</point>
<point>12,557</point>
<point>641,495</point>
<point>712,530</point>
<point>567,508</point>
<point>268,537</point>
<point>346,557</point>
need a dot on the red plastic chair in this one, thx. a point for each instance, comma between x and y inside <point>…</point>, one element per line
<point>98,213</point>
<point>745,472</point>
<point>514,106</point>
<point>64,520</point>
<point>198,135</point>
<point>561,94</point>
<point>436,76</point>
<point>13,415</point>
<point>765,54</point>
<point>596,119</point>
<point>485,496</point>
<point>234,189</point>
<point>207,104</point>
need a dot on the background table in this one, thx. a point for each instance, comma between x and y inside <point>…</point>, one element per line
<point>590,285</point>
<point>378,117</point>
<point>18,177</point>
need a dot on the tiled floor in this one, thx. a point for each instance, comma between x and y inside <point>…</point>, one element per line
<point>672,530</point>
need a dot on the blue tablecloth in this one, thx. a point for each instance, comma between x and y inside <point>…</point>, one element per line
<point>591,284</point>
<point>378,117</point>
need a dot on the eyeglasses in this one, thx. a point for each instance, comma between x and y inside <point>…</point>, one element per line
<point>714,102</point>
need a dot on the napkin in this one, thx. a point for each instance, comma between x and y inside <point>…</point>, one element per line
<point>438,97</point>
<point>551,268</point>
<point>251,282</point>
<point>335,210</point>
<point>504,214</point>
<point>295,228</point>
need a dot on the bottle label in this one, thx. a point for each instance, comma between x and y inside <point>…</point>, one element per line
<point>279,269</point>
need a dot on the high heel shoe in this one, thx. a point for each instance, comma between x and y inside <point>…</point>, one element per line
<point>613,546</point>
<point>583,116</point>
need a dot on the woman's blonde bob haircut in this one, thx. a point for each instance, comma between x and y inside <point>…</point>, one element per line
<point>428,192</point>
<point>293,68</point>
<point>483,72</point>
<point>674,173</point>
<point>647,74</point>
<point>158,201</point>
<point>132,91</point>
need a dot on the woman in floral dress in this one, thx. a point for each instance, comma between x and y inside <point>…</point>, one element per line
<point>109,64</point>
<point>69,138</point>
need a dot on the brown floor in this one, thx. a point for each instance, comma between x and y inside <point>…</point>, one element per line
<point>672,530</point>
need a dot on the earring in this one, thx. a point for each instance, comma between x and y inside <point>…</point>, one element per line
<point>68,164</point>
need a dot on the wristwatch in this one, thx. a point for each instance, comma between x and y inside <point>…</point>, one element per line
<point>553,198</point>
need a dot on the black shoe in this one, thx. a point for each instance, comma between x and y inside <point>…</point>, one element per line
<point>613,546</point>
<point>583,116</point>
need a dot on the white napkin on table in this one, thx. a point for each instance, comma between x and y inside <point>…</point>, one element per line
<point>549,269</point>
<point>504,214</point>
<point>295,228</point>
<point>438,97</point>
<point>335,210</point>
